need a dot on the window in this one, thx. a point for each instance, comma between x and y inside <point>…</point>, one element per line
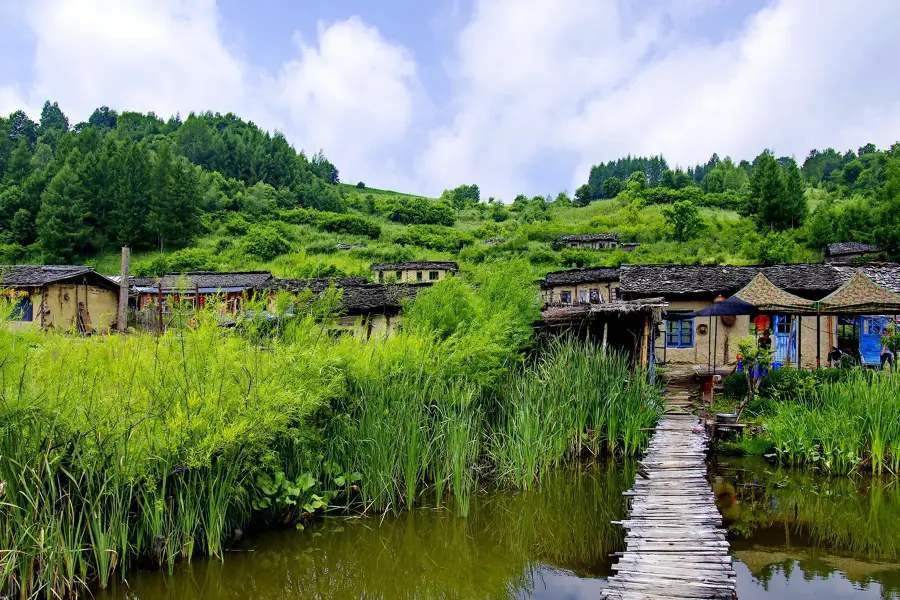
<point>399,275</point>
<point>583,296</point>
<point>613,294</point>
<point>419,276</point>
<point>23,310</point>
<point>680,334</point>
<point>380,276</point>
<point>565,297</point>
<point>596,298</point>
<point>432,275</point>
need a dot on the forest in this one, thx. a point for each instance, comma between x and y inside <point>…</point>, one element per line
<point>215,191</point>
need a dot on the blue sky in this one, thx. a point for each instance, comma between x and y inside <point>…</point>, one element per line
<point>518,96</point>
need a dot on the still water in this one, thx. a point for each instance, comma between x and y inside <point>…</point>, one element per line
<point>793,535</point>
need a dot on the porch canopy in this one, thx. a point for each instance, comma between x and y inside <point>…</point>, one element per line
<point>860,296</point>
<point>760,295</point>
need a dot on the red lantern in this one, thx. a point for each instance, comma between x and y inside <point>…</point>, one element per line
<point>761,322</point>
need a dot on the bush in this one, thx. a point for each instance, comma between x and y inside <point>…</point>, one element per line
<point>10,253</point>
<point>735,386</point>
<point>188,259</point>
<point>236,224</point>
<point>435,237</point>
<point>265,242</point>
<point>420,211</point>
<point>352,224</point>
<point>787,384</point>
<point>303,216</point>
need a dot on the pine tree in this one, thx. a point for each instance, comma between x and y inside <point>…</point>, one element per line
<point>794,195</point>
<point>767,193</point>
<point>61,221</point>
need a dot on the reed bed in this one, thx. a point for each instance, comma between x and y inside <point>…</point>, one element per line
<point>117,450</point>
<point>574,400</point>
<point>845,426</point>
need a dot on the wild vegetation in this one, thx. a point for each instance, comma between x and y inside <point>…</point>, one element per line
<point>158,449</point>
<point>214,191</point>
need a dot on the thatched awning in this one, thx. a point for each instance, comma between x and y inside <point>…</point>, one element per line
<point>561,315</point>
<point>860,295</point>
<point>765,296</point>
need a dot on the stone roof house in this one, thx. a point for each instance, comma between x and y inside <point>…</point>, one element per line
<point>60,296</point>
<point>414,272</point>
<point>847,251</point>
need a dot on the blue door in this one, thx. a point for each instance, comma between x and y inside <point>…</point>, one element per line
<point>784,338</point>
<point>870,331</point>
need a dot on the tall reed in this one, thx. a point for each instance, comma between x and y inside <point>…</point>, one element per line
<point>845,426</point>
<point>575,399</point>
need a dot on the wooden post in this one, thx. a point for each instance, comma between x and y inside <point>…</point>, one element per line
<point>818,340</point>
<point>604,337</point>
<point>159,299</point>
<point>124,268</point>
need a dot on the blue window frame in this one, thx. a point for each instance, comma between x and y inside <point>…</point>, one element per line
<point>680,334</point>
<point>23,310</point>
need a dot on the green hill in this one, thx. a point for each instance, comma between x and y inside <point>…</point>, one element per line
<point>216,192</point>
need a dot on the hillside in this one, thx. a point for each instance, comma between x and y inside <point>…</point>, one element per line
<point>216,192</point>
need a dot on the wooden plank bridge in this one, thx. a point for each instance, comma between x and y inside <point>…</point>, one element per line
<point>675,547</point>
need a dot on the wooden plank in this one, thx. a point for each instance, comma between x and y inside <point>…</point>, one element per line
<point>674,547</point>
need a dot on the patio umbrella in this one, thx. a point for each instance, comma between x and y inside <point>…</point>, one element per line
<point>732,306</point>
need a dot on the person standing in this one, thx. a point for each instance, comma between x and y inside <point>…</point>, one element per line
<point>887,355</point>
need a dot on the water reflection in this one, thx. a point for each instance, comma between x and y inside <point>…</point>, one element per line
<point>550,543</point>
<point>794,529</point>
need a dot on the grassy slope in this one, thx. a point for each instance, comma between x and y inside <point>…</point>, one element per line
<point>727,239</point>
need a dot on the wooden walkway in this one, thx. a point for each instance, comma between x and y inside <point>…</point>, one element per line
<point>674,545</point>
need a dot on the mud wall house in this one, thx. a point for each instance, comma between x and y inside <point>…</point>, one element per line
<point>850,251</point>
<point>698,342</point>
<point>596,241</point>
<point>365,310</point>
<point>580,286</point>
<point>60,297</point>
<point>424,271</point>
<point>227,290</point>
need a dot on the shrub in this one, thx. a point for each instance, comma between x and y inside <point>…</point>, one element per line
<point>435,237</point>
<point>420,211</point>
<point>302,216</point>
<point>265,242</point>
<point>735,386</point>
<point>352,224</point>
<point>10,253</point>
<point>236,224</point>
<point>787,384</point>
<point>320,248</point>
<point>188,259</point>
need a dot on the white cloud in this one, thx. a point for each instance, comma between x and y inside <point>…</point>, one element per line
<point>354,94</point>
<point>10,99</point>
<point>164,56</point>
<point>598,79</point>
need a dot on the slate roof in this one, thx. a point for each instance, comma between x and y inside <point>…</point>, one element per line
<point>494,240</point>
<point>591,237</point>
<point>422,264</point>
<point>811,281</point>
<point>374,297</point>
<point>840,248</point>
<point>40,275</point>
<point>887,275</point>
<point>575,276</point>
<point>314,284</point>
<point>350,246</point>
<point>216,280</point>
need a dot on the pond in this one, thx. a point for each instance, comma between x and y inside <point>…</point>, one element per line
<point>791,533</point>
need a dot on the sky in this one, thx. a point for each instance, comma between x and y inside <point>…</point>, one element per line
<point>517,96</point>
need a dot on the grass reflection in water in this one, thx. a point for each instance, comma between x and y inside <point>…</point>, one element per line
<point>509,541</point>
<point>781,519</point>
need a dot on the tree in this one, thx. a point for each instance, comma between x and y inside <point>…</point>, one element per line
<point>52,118</point>
<point>794,194</point>
<point>323,168</point>
<point>562,199</point>
<point>583,195</point>
<point>19,166</point>
<point>61,220</point>
<point>21,127</point>
<point>637,181</point>
<point>611,187</point>
<point>767,194</point>
<point>684,219</point>
<point>103,118</point>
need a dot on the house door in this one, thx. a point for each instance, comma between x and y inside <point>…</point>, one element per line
<point>870,332</point>
<point>785,338</point>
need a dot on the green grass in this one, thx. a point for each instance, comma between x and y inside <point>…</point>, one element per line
<point>842,427</point>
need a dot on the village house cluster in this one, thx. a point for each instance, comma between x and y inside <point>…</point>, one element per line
<point>645,310</point>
